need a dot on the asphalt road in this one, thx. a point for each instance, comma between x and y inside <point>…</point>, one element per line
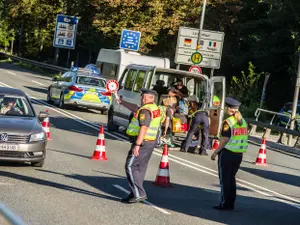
<point>72,189</point>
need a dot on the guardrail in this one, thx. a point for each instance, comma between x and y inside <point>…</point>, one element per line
<point>268,126</point>
<point>9,216</point>
<point>36,63</point>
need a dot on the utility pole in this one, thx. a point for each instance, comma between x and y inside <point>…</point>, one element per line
<point>295,102</point>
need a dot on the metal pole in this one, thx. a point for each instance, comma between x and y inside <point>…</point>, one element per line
<point>201,23</point>
<point>295,102</point>
<point>178,67</point>
<point>68,59</point>
<point>212,72</point>
<point>56,56</point>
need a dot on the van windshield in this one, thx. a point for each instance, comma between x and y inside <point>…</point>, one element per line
<point>161,82</point>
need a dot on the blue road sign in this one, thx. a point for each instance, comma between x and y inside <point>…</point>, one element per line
<point>130,40</point>
<point>65,32</point>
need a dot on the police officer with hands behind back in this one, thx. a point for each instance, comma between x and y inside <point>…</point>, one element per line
<point>143,127</point>
<point>234,142</point>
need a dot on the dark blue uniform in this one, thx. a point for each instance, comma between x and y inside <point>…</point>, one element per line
<point>200,118</point>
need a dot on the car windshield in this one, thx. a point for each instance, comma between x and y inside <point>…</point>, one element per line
<point>91,81</point>
<point>15,106</point>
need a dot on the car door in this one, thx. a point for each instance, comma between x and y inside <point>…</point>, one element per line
<point>65,81</point>
<point>216,112</point>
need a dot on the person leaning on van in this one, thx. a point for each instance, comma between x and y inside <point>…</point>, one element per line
<point>234,142</point>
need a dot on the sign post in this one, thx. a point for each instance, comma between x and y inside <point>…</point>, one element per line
<point>267,76</point>
<point>65,33</point>
<point>295,103</point>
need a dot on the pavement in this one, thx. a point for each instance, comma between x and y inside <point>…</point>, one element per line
<point>72,189</point>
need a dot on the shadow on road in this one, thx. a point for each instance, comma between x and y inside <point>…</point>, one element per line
<point>39,90</point>
<point>68,153</point>
<point>271,175</point>
<point>192,201</point>
<point>54,185</point>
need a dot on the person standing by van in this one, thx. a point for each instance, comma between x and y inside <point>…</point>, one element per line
<point>143,128</point>
<point>234,143</point>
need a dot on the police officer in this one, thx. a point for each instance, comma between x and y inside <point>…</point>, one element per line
<point>234,142</point>
<point>199,117</point>
<point>143,128</point>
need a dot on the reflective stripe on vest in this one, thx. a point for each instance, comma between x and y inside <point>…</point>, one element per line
<point>239,136</point>
<point>199,110</point>
<point>134,126</point>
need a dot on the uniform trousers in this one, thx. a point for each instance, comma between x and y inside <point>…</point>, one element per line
<point>228,163</point>
<point>136,167</point>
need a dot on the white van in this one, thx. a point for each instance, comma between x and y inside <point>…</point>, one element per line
<point>113,62</point>
<point>136,77</point>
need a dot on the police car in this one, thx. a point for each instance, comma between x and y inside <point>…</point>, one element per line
<point>79,88</point>
<point>287,109</point>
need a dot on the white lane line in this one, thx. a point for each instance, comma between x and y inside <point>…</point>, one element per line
<point>37,83</point>
<point>12,73</point>
<point>148,203</point>
<point>79,131</point>
<point>87,123</point>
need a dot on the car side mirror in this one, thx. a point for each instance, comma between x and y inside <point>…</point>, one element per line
<point>43,115</point>
<point>55,79</point>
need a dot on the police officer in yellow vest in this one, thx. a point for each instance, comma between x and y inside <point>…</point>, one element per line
<point>143,128</point>
<point>234,142</point>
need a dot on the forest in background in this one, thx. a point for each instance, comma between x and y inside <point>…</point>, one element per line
<point>260,36</point>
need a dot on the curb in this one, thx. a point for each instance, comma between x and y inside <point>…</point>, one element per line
<point>275,146</point>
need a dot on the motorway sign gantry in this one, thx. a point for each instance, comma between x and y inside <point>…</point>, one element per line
<point>65,31</point>
<point>211,46</point>
<point>130,40</point>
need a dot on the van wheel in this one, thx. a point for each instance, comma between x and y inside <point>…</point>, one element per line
<point>111,126</point>
<point>49,100</point>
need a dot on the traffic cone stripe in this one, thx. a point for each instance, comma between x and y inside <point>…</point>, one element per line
<point>46,128</point>
<point>165,159</point>
<point>100,148</point>
<point>263,146</point>
<point>101,136</point>
<point>163,172</point>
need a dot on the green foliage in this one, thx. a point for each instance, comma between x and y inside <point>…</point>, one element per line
<point>247,89</point>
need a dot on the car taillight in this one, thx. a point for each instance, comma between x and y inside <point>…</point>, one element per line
<point>74,88</point>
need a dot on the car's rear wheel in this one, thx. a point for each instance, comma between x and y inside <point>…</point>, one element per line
<point>111,126</point>
<point>61,102</point>
<point>49,100</point>
<point>38,164</point>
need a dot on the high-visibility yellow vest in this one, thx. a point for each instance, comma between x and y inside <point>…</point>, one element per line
<point>238,142</point>
<point>134,126</point>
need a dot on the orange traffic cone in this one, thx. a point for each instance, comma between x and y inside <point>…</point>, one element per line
<point>46,127</point>
<point>162,177</point>
<point>262,154</point>
<point>215,145</point>
<point>99,152</point>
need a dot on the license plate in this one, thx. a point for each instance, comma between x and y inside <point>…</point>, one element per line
<point>5,147</point>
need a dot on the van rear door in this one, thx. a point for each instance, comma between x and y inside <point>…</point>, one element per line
<point>217,104</point>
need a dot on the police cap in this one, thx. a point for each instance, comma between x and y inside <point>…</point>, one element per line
<point>149,92</point>
<point>232,103</point>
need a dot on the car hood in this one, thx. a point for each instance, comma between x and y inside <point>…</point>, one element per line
<point>19,125</point>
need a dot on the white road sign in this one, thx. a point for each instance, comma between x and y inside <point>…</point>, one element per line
<point>211,46</point>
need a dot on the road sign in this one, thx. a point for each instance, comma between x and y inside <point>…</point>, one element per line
<point>130,40</point>
<point>211,46</point>
<point>65,31</point>
<point>196,58</point>
<point>195,69</point>
<point>112,86</point>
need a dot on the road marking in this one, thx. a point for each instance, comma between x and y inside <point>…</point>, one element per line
<point>37,83</point>
<point>148,203</point>
<point>12,73</point>
<point>175,158</point>
<point>79,131</point>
